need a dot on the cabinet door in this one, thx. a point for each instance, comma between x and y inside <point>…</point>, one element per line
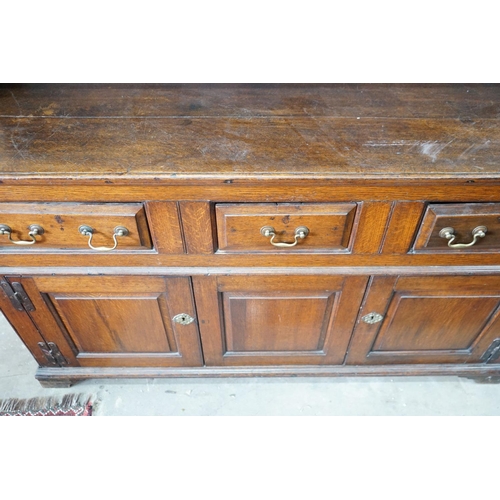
<point>429,319</point>
<point>16,314</point>
<point>114,320</point>
<point>277,320</point>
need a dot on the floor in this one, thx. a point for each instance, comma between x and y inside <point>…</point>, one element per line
<point>257,396</point>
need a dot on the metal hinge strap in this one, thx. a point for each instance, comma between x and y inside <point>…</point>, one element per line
<point>22,296</point>
<point>48,353</point>
<point>52,353</point>
<point>11,295</point>
<point>492,352</point>
<point>16,294</point>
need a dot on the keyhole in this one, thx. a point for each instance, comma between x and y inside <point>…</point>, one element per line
<point>372,317</point>
<point>183,319</point>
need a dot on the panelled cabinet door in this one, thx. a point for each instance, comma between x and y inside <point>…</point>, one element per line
<point>15,312</point>
<point>429,319</point>
<point>277,320</point>
<point>115,321</point>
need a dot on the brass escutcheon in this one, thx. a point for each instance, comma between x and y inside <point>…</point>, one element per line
<point>372,318</point>
<point>183,318</point>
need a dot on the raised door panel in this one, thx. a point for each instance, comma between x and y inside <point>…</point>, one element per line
<point>110,324</point>
<point>262,321</point>
<point>271,320</point>
<point>440,319</point>
<point>116,321</point>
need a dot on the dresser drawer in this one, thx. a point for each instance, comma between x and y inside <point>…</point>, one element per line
<point>459,227</point>
<point>283,227</point>
<point>36,227</point>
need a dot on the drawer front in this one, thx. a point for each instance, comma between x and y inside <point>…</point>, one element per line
<point>61,223</point>
<point>328,227</point>
<point>446,228</point>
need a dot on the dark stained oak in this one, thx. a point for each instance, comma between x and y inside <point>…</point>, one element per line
<point>113,320</point>
<point>22,323</point>
<point>227,188</point>
<point>199,230</point>
<point>371,226</point>
<point>330,227</point>
<point>463,101</point>
<point>402,226</point>
<point>463,218</point>
<point>488,373</point>
<point>116,321</point>
<point>164,221</point>
<point>441,319</point>
<point>194,171</point>
<point>60,222</point>
<point>94,262</point>
<point>249,131</point>
<point>266,320</point>
<point>248,147</point>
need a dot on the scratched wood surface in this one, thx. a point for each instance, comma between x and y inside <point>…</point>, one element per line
<point>249,131</point>
<point>238,100</point>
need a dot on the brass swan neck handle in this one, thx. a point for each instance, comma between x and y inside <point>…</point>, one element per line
<point>89,231</point>
<point>449,234</point>
<point>300,233</point>
<point>34,230</point>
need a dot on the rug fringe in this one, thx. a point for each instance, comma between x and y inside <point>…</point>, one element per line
<point>53,402</point>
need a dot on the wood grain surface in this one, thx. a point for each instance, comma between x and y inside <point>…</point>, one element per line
<point>330,226</point>
<point>61,222</point>
<point>463,218</point>
<point>116,321</point>
<point>195,168</point>
<point>276,320</point>
<point>173,100</point>
<point>250,131</point>
<point>438,319</point>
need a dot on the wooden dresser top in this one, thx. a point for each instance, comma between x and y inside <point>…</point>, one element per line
<point>249,131</point>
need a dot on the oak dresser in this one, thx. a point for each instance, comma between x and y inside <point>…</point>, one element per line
<point>229,230</point>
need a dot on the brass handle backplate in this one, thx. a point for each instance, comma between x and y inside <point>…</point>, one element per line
<point>34,230</point>
<point>449,234</point>
<point>89,231</point>
<point>300,233</point>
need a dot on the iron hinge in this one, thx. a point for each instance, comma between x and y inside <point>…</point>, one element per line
<point>492,352</point>
<point>15,292</point>
<point>52,353</point>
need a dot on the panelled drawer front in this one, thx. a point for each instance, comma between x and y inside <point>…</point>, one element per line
<point>61,223</point>
<point>463,222</point>
<point>330,227</point>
